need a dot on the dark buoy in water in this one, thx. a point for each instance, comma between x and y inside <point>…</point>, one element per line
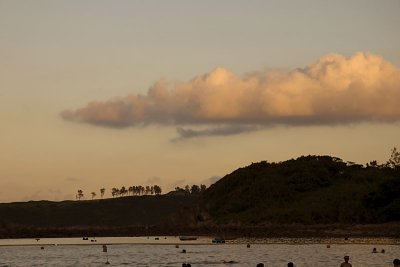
<point>260,265</point>
<point>176,246</point>
<point>374,250</point>
<point>105,250</point>
<point>328,246</point>
<point>383,251</point>
<point>183,250</point>
<point>248,245</point>
<point>346,238</point>
<point>290,264</point>
<point>41,247</point>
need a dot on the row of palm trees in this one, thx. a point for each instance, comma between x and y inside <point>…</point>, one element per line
<point>143,190</point>
<point>123,191</point>
<point>136,191</point>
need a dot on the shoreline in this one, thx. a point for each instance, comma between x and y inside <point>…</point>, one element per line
<point>203,240</point>
<point>228,232</point>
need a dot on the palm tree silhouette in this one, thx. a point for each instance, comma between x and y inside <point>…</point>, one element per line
<point>130,190</point>
<point>157,189</point>
<point>80,194</point>
<point>123,191</point>
<point>114,192</point>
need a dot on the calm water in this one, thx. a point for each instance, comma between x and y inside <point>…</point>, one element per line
<point>162,252</point>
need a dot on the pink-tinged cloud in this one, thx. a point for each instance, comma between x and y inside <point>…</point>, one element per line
<point>334,90</point>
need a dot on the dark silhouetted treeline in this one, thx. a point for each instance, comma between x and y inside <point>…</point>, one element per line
<point>193,189</point>
<point>308,190</point>
<point>137,190</point>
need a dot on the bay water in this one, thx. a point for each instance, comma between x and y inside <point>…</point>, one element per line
<point>168,251</point>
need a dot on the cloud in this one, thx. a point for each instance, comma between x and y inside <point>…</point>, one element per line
<point>333,90</point>
<point>217,131</point>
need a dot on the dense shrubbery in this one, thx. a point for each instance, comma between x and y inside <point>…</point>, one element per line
<point>310,190</point>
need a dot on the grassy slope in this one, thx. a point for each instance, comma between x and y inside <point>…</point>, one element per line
<point>124,211</point>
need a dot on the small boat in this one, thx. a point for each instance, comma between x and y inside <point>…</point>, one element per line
<point>187,238</point>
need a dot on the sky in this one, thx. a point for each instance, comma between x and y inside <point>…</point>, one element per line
<point>118,93</point>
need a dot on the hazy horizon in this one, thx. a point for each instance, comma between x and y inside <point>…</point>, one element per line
<point>119,93</point>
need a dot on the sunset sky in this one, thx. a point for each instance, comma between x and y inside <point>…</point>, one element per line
<point>118,93</point>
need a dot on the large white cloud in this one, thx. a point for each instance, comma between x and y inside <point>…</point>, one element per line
<point>334,90</point>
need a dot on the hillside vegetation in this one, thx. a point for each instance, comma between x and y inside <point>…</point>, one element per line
<point>114,212</point>
<point>307,190</point>
<point>308,196</point>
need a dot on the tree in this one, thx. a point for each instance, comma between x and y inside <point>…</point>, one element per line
<point>195,189</point>
<point>394,161</point>
<point>203,188</point>
<point>137,190</point>
<point>131,190</point>
<point>187,189</point>
<point>123,191</point>
<point>93,195</point>
<point>147,190</point>
<point>373,164</point>
<point>114,192</point>
<point>141,189</point>
<point>157,189</point>
<point>80,194</point>
<point>102,191</point>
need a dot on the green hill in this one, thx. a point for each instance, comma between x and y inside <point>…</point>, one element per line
<point>308,190</point>
<point>77,217</point>
<point>308,196</point>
